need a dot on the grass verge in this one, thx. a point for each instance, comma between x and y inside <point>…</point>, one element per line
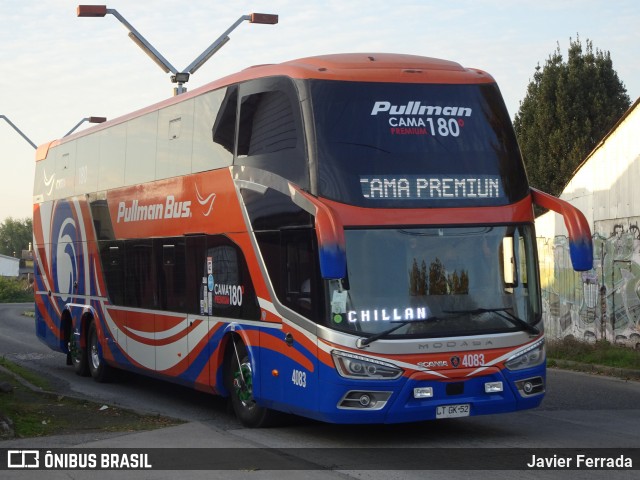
<point>29,413</point>
<point>26,374</point>
<point>599,353</point>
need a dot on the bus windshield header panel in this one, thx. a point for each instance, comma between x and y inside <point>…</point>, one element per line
<point>415,145</point>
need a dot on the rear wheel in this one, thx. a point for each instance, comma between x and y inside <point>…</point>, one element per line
<point>240,385</point>
<point>100,371</point>
<point>77,355</point>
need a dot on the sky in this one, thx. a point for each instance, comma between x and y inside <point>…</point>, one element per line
<point>58,69</point>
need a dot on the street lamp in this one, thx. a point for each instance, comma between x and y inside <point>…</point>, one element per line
<point>178,77</point>
<point>23,135</point>
<point>86,119</point>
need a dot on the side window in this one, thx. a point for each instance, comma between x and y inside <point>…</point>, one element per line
<point>266,124</point>
<point>140,274</point>
<point>101,217</point>
<point>206,154</point>
<point>299,271</point>
<point>170,261</point>
<point>224,283</point>
<point>270,130</point>
<point>204,275</point>
<point>293,269</point>
<point>222,263</point>
<point>174,140</point>
<point>223,132</point>
<point>112,254</point>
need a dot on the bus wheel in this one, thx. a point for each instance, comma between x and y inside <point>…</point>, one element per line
<point>100,371</point>
<point>77,355</point>
<point>240,385</point>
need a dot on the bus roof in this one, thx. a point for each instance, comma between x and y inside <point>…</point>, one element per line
<point>355,67</point>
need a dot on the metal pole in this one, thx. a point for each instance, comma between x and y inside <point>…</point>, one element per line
<point>219,42</point>
<point>19,131</point>
<point>143,43</point>
<point>86,119</point>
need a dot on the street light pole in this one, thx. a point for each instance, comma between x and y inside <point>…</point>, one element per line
<point>86,119</point>
<point>182,77</point>
<point>19,131</point>
<point>23,135</point>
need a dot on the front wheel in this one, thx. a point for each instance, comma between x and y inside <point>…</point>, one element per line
<point>100,371</point>
<point>239,377</point>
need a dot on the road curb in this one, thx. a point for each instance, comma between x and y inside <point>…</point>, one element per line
<point>623,373</point>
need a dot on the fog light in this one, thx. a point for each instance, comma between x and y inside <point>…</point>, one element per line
<point>493,387</point>
<point>530,386</point>
<point>359,400</point>
<point>423,392</point>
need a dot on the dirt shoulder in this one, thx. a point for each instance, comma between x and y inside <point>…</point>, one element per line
<point>27,411</point>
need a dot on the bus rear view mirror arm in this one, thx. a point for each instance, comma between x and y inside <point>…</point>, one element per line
<point>330,231</point>
<point>580,244</point>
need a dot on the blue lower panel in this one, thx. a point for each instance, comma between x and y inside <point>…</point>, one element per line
<point>401,405</point>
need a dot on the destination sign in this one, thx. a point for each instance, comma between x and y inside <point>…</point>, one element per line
<point>431,187</point>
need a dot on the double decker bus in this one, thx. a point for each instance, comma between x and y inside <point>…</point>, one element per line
<point>344,237</point>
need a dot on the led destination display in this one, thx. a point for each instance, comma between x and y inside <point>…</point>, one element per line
<point>433,187</point>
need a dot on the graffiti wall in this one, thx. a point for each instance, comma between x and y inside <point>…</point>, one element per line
<point>604,303</point>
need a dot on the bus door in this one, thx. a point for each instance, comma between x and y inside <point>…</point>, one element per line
<point>271,151</point>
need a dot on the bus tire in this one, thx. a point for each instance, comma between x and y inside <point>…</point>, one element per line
<point>77,354</point>
<point>239,379</point>
<point>100,371</point>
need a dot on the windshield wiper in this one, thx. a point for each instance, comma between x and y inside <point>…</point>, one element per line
<point>502,313</point>
<point>366,341</point>
<point>365,145</point>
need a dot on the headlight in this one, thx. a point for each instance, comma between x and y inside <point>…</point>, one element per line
<point>531,357</point>
<point>350,365</point>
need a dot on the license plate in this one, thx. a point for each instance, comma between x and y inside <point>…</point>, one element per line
<point>453,411</point>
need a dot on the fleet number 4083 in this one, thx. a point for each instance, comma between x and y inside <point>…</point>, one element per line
<point>299,378</point>
<point>475,360</point>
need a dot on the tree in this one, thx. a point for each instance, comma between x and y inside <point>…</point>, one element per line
<point>15,236</point>
<point>569,107</point>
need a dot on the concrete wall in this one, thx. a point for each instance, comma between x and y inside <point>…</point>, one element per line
<point>605,302</point>
<point>9,266</point>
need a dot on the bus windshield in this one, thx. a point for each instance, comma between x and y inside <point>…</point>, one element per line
<point>437,282</point>
<point>415,145</point>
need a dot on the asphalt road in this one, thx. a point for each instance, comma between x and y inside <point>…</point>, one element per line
<point>579,411</point>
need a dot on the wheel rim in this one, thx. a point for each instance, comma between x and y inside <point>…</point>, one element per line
<point>243,384</point>
<point>95,356</point>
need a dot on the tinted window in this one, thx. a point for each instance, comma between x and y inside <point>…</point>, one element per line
<point>293,269</point>
<point>170,259</point>
<point>267,124</point>
<point>224,281</point>
<point>140,274</point>
<point>415,145</point>
<point>224,126</point>
<point>270,132</point>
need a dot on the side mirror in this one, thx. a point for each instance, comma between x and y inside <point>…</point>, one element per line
<point>330,231</point>
<point>580,244</point>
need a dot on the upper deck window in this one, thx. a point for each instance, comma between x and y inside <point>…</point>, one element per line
<point>415,145</point>
<point>270,132</point>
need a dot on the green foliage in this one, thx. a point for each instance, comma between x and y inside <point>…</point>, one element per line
<point>599,353</point>
<point>26,374</point>
<point>15,236</point>
<point>14,291</point>
<point>569,107</point>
